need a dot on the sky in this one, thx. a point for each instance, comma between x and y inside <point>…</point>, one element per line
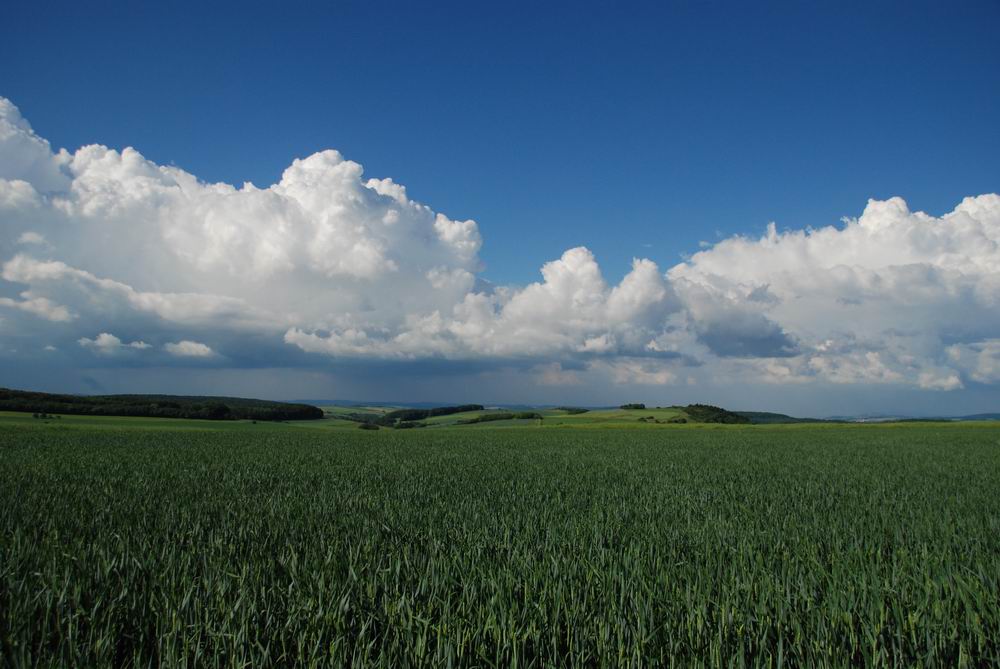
<point>784,207</point>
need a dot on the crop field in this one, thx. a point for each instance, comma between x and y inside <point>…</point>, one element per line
<point>134,543</point>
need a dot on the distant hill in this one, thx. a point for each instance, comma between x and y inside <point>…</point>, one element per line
<point>979,416</point>
<point>706,413</point>
<point>877,418</point>
<point>156,406</point>
<point>769,418</point>
<point>369,403</point>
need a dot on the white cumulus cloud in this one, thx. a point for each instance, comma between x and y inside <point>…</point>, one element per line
<point>875,300</point>
<point>108,344</point>
<point>189,349</point>
<point>329,264</point>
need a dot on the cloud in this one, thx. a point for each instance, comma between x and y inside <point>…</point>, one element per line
<point>108,344</point>
<point>26,156</point>
<point>328,266</point>
<point>189,349</point>
<point>31,238</point>
<point>104,295</point>
<point>39,306</point>
<point>571,311</point>
<point>319,247</point>
<point>553,374</point>
<point>946,380</point>
<point>876,300</point>
<point>979,360</point>
<point>639,372</point>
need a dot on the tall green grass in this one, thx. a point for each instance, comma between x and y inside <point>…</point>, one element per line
<point>730,547</point>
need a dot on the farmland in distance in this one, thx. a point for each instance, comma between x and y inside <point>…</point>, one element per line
<point>124,542</point>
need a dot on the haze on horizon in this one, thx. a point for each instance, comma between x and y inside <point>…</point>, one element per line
<point>595,229</point>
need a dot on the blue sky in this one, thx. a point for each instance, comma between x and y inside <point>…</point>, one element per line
<point>634,130</point>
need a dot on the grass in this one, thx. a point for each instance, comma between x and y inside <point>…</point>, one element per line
<point>124,542</point>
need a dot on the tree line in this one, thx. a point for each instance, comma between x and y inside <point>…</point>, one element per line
<point>156,406</point>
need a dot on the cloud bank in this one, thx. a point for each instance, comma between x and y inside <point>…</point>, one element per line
<point>327,266</point>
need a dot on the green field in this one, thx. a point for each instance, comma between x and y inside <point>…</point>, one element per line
<point>137,542</point>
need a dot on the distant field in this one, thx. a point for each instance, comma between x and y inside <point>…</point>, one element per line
<point>653,417</point>
<point>128,542</point>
